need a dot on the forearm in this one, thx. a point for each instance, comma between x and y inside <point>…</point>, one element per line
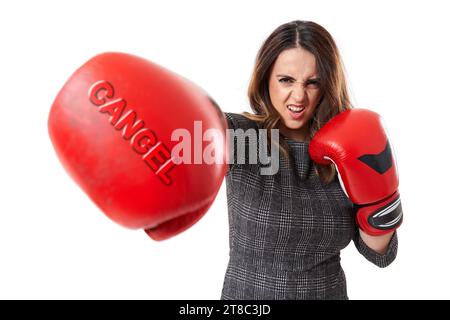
<point>377,243</point>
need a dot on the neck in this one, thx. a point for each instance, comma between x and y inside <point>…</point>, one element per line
<point>300,134</point>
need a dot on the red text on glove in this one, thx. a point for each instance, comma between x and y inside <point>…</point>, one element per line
<point>143,140</point>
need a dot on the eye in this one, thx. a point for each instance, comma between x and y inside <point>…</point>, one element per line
<point>313,83</point>
<point>285,80</point>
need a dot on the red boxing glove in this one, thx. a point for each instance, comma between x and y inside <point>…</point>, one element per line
<point>356,142</point>
<point>111,127</point>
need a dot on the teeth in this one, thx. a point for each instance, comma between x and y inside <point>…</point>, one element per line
<point>295,109</point>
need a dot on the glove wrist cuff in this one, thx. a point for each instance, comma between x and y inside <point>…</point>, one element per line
<point>382,217</point>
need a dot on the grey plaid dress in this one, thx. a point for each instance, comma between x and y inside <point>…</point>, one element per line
<point>286,230</point>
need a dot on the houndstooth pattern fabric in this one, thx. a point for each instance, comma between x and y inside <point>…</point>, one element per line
<point>286,230</point>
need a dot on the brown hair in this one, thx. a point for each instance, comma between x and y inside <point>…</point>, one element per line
<point>335,98</point>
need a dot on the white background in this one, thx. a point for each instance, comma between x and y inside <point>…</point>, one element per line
<point>55,243</point>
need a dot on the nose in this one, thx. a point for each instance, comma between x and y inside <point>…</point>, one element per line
<point>298,93</point>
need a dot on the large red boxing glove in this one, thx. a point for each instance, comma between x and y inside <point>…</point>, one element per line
<point>111,127</point>
<point>356,142</point>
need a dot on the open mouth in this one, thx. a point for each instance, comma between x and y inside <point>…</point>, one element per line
<point>295,111</point>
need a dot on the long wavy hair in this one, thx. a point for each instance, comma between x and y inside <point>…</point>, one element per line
<point>334,91</point>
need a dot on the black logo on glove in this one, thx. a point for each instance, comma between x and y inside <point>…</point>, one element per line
<point>380,162</point>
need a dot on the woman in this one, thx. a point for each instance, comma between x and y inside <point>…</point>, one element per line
<point>287,229</point>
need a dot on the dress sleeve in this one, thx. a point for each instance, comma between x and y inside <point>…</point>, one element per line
<point>239,121</point>
<point>229,117</point>
<point>380,260</point>
<point>231,125</point>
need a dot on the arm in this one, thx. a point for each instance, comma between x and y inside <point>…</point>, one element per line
<point>356,143</point>
<point>378,244</point>
<point>381,259</point>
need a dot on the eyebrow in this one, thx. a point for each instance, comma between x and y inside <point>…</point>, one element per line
<point>287,76</point>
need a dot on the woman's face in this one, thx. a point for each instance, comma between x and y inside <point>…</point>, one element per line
<point>294,89</point>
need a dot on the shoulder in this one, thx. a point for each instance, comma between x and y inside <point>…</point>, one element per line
<point>240,121</point>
